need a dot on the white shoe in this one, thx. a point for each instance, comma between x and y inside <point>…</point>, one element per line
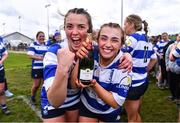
<point>8,93</point>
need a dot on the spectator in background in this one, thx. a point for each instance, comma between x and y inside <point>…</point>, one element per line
<point>162,82</point>
<point>3,57</point>
<point>7,92</point>
<point>175,56</point>
<point>173,72</point>
<point>36,52</point>
<point>54,39</point>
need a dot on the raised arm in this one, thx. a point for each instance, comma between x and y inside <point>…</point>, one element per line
<point>57,92</point>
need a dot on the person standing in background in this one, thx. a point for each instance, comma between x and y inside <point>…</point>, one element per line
<point>7,92</point>
<point>36,52</point>
<point>162,83</point>
<point>138,46</point>
<point>56,38</point>
<point>3,57</point>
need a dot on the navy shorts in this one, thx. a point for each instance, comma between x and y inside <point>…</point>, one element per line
<point>37,73</point>
<point>2,76</point>
<point>83,111</point>
<point>58,111</point>
<point>136,92</point>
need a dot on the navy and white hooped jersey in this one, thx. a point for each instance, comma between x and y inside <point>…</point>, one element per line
<point>142,52</point>
<point>160,46</point>
<point>3,51</point>
<point>37,49</point>
<point>113,80</point>
<point>176,53</point>
<point>50,66</point>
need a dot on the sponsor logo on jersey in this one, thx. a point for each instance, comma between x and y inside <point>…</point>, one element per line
<point>128,42</point>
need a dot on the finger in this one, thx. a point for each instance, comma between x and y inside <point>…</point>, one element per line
<point>126,65</point>
<point>84,44</point>
<point>81,54</point>
<point>128,69</point>
<point>77,83</point>
<point>84,50</point>
<point>83,86</point>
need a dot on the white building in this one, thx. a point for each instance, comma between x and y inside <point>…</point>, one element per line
<point>16,38</point>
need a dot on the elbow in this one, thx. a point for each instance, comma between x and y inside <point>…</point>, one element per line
<point>55,105</point>
<point>56,102</point>
<point>30,56</point>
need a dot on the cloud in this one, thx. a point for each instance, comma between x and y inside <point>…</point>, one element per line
<point>162,15</point>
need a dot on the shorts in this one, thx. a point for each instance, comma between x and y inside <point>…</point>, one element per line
<point>83,111</point>
<point>136,92</point>
<point>2,76</point>
<point>57,112</point>
<point>37,73</point>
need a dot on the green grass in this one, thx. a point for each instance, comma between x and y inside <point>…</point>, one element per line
<point>155,107</point>
<point>18,74</point>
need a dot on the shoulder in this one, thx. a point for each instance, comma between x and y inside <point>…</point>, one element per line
<point>54,48</point>
<point>139,36</point>
<point>33,44</point>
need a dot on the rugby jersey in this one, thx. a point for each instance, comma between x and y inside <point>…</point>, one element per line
<point>37,49</point>
<point>160,46</point>
<point>176,53</point>
<point>113,80</point>
<point>3,51</point>
<point>50,66</point>
<point>142,51</point>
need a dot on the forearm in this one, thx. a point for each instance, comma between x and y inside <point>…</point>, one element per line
<point>151,64</point>
<point>57,92</point>
<point>4,57</point>
<point>171,56</point>
<point>105,95</point>
<point>74,75</point>
<point>40,58</point>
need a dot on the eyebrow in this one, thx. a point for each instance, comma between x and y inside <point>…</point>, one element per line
<point>111,37</point>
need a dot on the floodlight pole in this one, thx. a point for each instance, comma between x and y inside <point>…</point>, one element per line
<point>46,6</point>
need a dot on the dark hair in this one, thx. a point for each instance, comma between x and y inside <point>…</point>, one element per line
<point>137,21</point>
<point>112,25</point>
<point>84,12</point>
<point>39,33</point>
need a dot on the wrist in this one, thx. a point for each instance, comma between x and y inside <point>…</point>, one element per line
<point>62,69</point>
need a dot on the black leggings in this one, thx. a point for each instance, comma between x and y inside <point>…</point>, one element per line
<point>174,84</point>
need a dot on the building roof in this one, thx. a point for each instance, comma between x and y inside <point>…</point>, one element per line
<point>6,35</point>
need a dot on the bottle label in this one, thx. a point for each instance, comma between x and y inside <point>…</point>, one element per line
<point>86,74</point>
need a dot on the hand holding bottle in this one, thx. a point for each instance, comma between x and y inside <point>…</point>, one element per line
<point>86,46</point>
<point>86,63</point>
<point>81,85</point>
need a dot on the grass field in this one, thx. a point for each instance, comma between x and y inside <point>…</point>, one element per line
<point>155,108</point>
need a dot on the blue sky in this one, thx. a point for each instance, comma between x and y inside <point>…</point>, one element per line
<point>162,15</point>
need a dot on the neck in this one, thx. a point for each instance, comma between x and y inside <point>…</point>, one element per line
<point>105,62</point>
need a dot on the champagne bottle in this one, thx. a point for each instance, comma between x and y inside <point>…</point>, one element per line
<point>86,66</point>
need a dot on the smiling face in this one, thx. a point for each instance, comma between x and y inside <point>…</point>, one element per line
<point>76,27</point>
<point>109,42</point>
<point>40,37</point>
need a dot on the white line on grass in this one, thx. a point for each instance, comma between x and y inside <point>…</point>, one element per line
<point>27,101</point>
